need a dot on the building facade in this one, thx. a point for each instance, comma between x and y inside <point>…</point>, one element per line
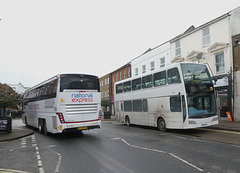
<point>151,60</point>
<point>211,44</point>
<point>104,89</point>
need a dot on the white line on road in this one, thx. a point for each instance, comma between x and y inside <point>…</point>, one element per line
<point>159,151</point>
<point>34,144</point>
<point>59,157</point>
<point>186,162</point>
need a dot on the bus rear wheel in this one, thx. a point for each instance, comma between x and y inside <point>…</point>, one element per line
<point>161,124</point>
<point>40,126</point>
<point>45,128</point>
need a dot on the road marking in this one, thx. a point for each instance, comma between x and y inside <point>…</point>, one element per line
<point>222,131</point>
<point>34,144</point>
<point>159,151</point>
<point>186,162</point>
<point>59,157</point>
<point>11,170</point>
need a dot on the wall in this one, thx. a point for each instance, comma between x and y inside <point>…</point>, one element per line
<point>193,42</point>
<point>237,96</point>
<point>148,57</point>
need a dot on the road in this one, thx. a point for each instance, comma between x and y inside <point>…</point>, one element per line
<point>118,148</point>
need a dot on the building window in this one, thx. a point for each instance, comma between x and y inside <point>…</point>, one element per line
<point>124,73</point>
<point>129,72</point>
<point>108,80</point>
<point>116,77</point>
<point>220,67</point>
<point>113,78</point>
<point>144,69</point>
<point>152,65</point>
<point>105,81</point>
<point>178,48</point>
<point>120,75</point>
<point>206,36</point>
<point>162,62</point>
<point>136,71</point>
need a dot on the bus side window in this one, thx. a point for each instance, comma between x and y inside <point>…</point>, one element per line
<point>128,106</point>
<point>173,76</point>
<point>175,104</point>
<point>145,105</point>
<point>119,88</point>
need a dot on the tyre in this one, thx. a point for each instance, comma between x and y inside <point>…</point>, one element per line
<point>161,124</point>
<point>40,126</point>
<point>127,121</point>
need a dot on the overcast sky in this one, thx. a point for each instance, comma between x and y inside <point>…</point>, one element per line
<point>40,39</point>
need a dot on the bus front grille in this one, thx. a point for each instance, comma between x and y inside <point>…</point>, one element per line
<point>72,109</point>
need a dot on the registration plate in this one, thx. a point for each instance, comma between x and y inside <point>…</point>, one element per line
<point>82,128</point>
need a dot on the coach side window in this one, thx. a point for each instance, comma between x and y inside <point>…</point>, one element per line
<point>173,76</point>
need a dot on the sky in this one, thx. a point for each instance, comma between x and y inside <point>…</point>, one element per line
<point>42,38</point>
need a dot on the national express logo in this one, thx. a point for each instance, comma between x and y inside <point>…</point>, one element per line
<point>82,97</point>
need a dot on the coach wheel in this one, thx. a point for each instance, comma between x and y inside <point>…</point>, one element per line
<point>127,121</point>
<point>161,125</point>
<point>40,126</point>
<point>45,128</point>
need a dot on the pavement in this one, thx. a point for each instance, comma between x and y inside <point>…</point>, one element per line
<point>19,130</point>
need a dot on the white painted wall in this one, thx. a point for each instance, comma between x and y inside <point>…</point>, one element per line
<point>219,33</point>
<point>153,55</point>
<point>235,21</point>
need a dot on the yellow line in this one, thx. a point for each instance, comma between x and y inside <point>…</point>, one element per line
<point>222,131</point>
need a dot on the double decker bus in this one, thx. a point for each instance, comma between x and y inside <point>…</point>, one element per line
<point>65,102</point>
<point>179,96</point>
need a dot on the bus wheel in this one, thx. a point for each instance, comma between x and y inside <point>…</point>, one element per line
<point>45,128</point>
<point>161,125</point>
<point>127,121</point>
<point>40,126</point>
